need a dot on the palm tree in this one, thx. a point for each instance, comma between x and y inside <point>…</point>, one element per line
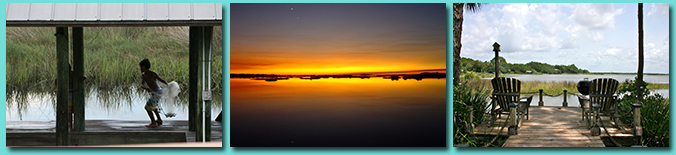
<point>639,81</point>
<point>458,9</point>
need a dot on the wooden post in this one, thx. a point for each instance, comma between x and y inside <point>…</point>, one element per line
<point>496,48</point>
<point>78,85</point>
<point>513,124</point>
<point>203,132</point>
<point>541,103</point>
<point>62,129</point>
<point>565,98</point>
<point>584,103</point>
<point>470,125</point>
<point>595,130</point>
<point>638,129</point>
<point>194,93</point>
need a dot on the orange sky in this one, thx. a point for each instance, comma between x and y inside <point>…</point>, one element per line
<point>336,38</point>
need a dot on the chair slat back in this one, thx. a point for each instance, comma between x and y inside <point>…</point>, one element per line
<point>602,91</point>
<point>506,90</point>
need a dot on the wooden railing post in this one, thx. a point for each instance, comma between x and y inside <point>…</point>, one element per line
<point>584,103</point>
<point>595,130</point>
<point>638,129</point>
<point>541,103</point>
<point>565,98</point>
<point>470,125</point>
<point>513,124</point>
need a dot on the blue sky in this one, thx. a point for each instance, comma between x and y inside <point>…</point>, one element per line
<point>599,37</point>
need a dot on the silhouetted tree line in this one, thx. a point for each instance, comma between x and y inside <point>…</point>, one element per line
<point>251,75</point>
<point>468,64</point>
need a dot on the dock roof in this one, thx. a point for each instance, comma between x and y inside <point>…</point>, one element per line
<point>113,14</point>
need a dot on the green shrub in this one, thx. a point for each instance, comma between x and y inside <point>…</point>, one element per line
<point>654,114</point>
<point>468,94</point>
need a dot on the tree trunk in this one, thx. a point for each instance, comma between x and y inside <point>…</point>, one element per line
<point>457,34</point>
<point>639,80</point>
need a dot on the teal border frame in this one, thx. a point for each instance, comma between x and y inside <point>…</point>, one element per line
<point>226,149</point>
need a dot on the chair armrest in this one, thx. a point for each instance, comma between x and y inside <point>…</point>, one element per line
<point>526,99</point>
<point>581,97</point>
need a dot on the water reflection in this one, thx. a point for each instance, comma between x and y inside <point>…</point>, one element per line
<point>115,104</point>
<point>338,112</point>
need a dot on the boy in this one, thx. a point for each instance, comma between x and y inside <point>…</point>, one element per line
<point>71,111</point>
<point>149,77</point>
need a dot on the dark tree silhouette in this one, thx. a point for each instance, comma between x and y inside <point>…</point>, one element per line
<point>639,81</point>
<point>458,9</point>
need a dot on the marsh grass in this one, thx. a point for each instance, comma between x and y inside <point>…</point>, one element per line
<point>551,88</point>
<point>111,56</point>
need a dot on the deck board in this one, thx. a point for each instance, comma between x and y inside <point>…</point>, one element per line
<point>105,132</point>
<point>552,127</point>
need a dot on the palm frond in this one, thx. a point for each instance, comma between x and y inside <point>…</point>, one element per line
<point>474,7</point>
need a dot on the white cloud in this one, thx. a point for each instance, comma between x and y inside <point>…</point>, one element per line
<point>651,45</point>
<point>589,20</point>
<point>595,16</point>
<point>613,51</point>
<point>597,37</point>
<point>660,9</point>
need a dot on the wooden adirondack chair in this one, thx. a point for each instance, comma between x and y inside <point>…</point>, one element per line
<point>602,91</point>
<point>505,91</point>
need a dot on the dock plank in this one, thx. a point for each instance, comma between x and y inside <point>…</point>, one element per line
<point>105,132</point>
<point>552,127</point>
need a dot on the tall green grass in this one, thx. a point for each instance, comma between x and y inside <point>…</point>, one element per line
<point>111,56</point>
<point>551,88</point>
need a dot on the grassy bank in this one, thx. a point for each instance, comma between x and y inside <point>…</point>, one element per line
<point>111,56</point>
<point>533,87</point>
<point>551,88</point>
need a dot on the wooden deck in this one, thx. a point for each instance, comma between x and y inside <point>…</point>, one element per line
<point>105,132</point>
<point>552,127</point>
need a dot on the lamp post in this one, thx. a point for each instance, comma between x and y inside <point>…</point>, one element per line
<point>496,48</point>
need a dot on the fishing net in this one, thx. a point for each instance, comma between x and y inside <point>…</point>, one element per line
<point>170,98</point>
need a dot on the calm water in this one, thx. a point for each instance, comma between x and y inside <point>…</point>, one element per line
<point>338,112</point>
<point>111,105</point>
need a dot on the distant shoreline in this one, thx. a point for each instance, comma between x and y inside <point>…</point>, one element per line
<point>629,73</point>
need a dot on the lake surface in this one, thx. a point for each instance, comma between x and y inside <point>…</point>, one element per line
<point>338,112</point>
<point>101,105</point>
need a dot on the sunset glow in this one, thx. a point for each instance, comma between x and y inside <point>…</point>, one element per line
<point>336,38</point>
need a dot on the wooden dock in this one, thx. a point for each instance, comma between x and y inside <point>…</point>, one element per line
<point>105,132</point>
<point>553,127</point>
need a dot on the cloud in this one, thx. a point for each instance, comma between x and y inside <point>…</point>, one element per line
<point>595,16</point>
<point>538,27</point>
<point>517,27</point>
<point>656,57</point>
<point>591,36</point>
<point>588,21</point>
<point>660,9</point>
